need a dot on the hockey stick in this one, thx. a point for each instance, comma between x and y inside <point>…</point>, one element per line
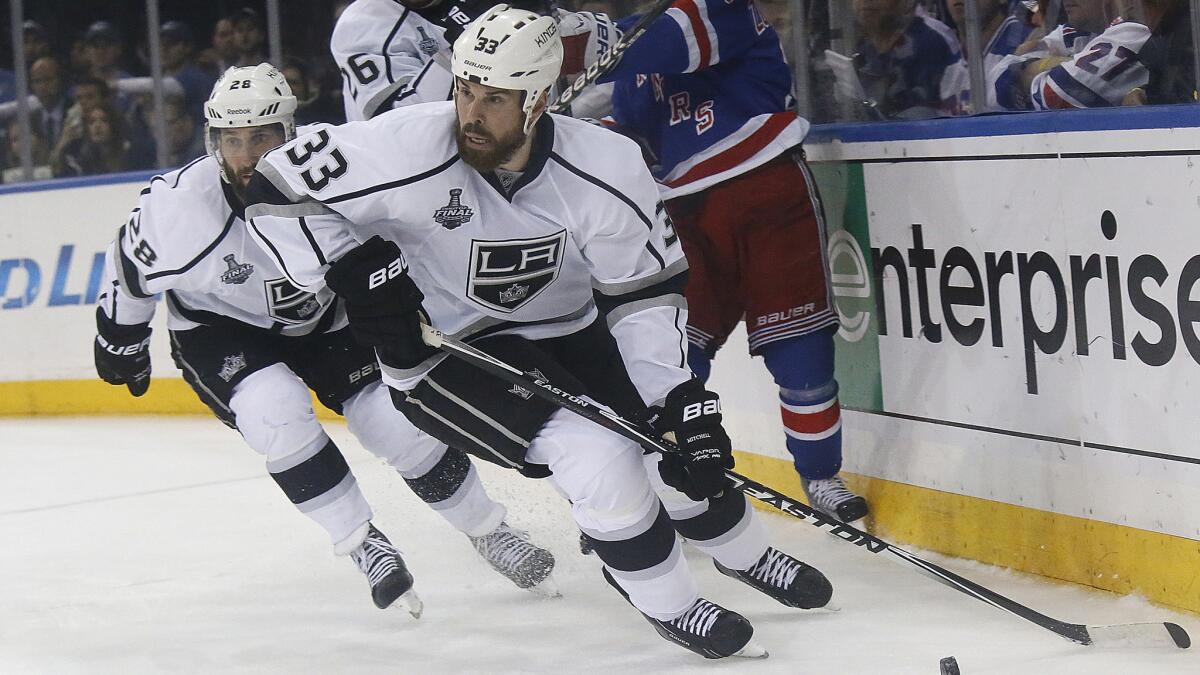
<point>1129,634</point>
<point>608,60</point>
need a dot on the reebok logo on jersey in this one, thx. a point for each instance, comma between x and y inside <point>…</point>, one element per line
<point>237,273</point>
<point>455,213</point>
<point>507,275</point>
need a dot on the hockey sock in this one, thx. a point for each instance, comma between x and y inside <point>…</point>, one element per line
<point>808,398</point>
<point>700,361</point>
<point>453,489</point>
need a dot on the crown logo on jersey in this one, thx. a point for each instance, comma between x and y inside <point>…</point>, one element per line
<point>514,293</point>
<point>453,214</point>
<point>233,364</point>
<point>427,45</point>
<point>237,273</point>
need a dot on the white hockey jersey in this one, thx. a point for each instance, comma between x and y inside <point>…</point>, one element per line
<point>1098,76</point>
<point>186,240</point>
<point>385,53</point>
<point>1005,91</point>
<point>581,231</point>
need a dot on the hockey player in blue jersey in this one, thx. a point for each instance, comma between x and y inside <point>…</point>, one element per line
<point>708,91</point>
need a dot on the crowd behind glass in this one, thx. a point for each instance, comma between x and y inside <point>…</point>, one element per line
<point>91,104</point>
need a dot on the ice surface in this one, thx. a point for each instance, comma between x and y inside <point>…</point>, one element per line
<point>155,545</point>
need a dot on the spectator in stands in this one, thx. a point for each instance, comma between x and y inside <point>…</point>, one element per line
<point>89,93</point>
<point>103,49</point>
<point>1010,79</point>
<point>909,63</point>
<point>1001,33</point>
<point>37,42</point>
<point>313,107</point>
<point>1168,54</point>
<point>1132,62</point>
<point>185,136</point>
<point>249,37</point>
<point>46,83</point>
<point>222,53</point>
<point>12,171</point>
<point>103,148</point>
<point>178,50</point>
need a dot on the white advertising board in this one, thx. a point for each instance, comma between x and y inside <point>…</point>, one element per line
<point>52,246</point>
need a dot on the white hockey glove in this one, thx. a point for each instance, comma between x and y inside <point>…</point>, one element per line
<point>585,37</point>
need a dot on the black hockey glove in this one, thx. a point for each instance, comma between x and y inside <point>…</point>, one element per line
<point>123,353</point>
<point>382,302</point>
<point>694,415</point>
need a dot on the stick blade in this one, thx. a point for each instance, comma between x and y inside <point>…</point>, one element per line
<point>1165,634</point>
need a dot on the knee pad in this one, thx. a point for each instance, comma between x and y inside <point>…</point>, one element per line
<point>386,433</point>
<point>274,414</point>
<point>801,363</point>
<point>600,473</point>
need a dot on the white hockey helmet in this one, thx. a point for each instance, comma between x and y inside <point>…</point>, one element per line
<point>249,96</point>
<point>510,49</point>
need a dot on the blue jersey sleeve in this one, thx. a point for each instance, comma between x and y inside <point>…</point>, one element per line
<point>692,35</point>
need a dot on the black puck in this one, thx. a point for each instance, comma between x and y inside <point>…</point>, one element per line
<point>949,666</point>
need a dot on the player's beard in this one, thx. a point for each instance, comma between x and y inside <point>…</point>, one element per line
<point>500,151</point>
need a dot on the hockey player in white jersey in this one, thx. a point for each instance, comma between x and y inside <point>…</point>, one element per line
<point>540,239</point>
<point>251,344</point>
<point>385,52</point>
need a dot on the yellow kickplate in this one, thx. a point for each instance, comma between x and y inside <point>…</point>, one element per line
<point>1117,558</point>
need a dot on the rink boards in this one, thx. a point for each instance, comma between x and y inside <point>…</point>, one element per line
<point>1018,355</point>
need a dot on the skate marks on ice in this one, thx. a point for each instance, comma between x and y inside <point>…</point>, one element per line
<point>150,545</point>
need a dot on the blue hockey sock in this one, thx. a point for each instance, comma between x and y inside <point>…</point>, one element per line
<point>808,397</point>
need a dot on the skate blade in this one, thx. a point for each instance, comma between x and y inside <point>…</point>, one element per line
<point>752,650</point>
<point>411,603</point>
<point>546,588</point>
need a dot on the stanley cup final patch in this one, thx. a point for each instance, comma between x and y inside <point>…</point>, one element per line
<point>237,273</point>
<point>455,213</point>
<point>507,275</point>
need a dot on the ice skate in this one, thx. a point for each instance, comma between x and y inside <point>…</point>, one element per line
<point>389,578</point>
<point>509,552</point>
<point>831,497</point>
<point>784,578</point>
<point>711,631</point>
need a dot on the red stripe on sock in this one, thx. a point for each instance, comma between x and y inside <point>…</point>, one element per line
<point>812,423</point>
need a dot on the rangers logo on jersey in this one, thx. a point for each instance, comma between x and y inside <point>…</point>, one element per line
<point>237,273</point>
<point>507,275</point>
<point>288,304</point>
<point>453,214</point>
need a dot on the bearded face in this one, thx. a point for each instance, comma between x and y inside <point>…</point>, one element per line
<point>490,124</point>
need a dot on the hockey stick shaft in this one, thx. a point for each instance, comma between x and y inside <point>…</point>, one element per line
<point>1140,634</point>
<point>609,59</point>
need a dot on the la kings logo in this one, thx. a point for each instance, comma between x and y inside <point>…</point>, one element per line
<point>507,275</point>
<point>453,214</point>
<point>288,304</point>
